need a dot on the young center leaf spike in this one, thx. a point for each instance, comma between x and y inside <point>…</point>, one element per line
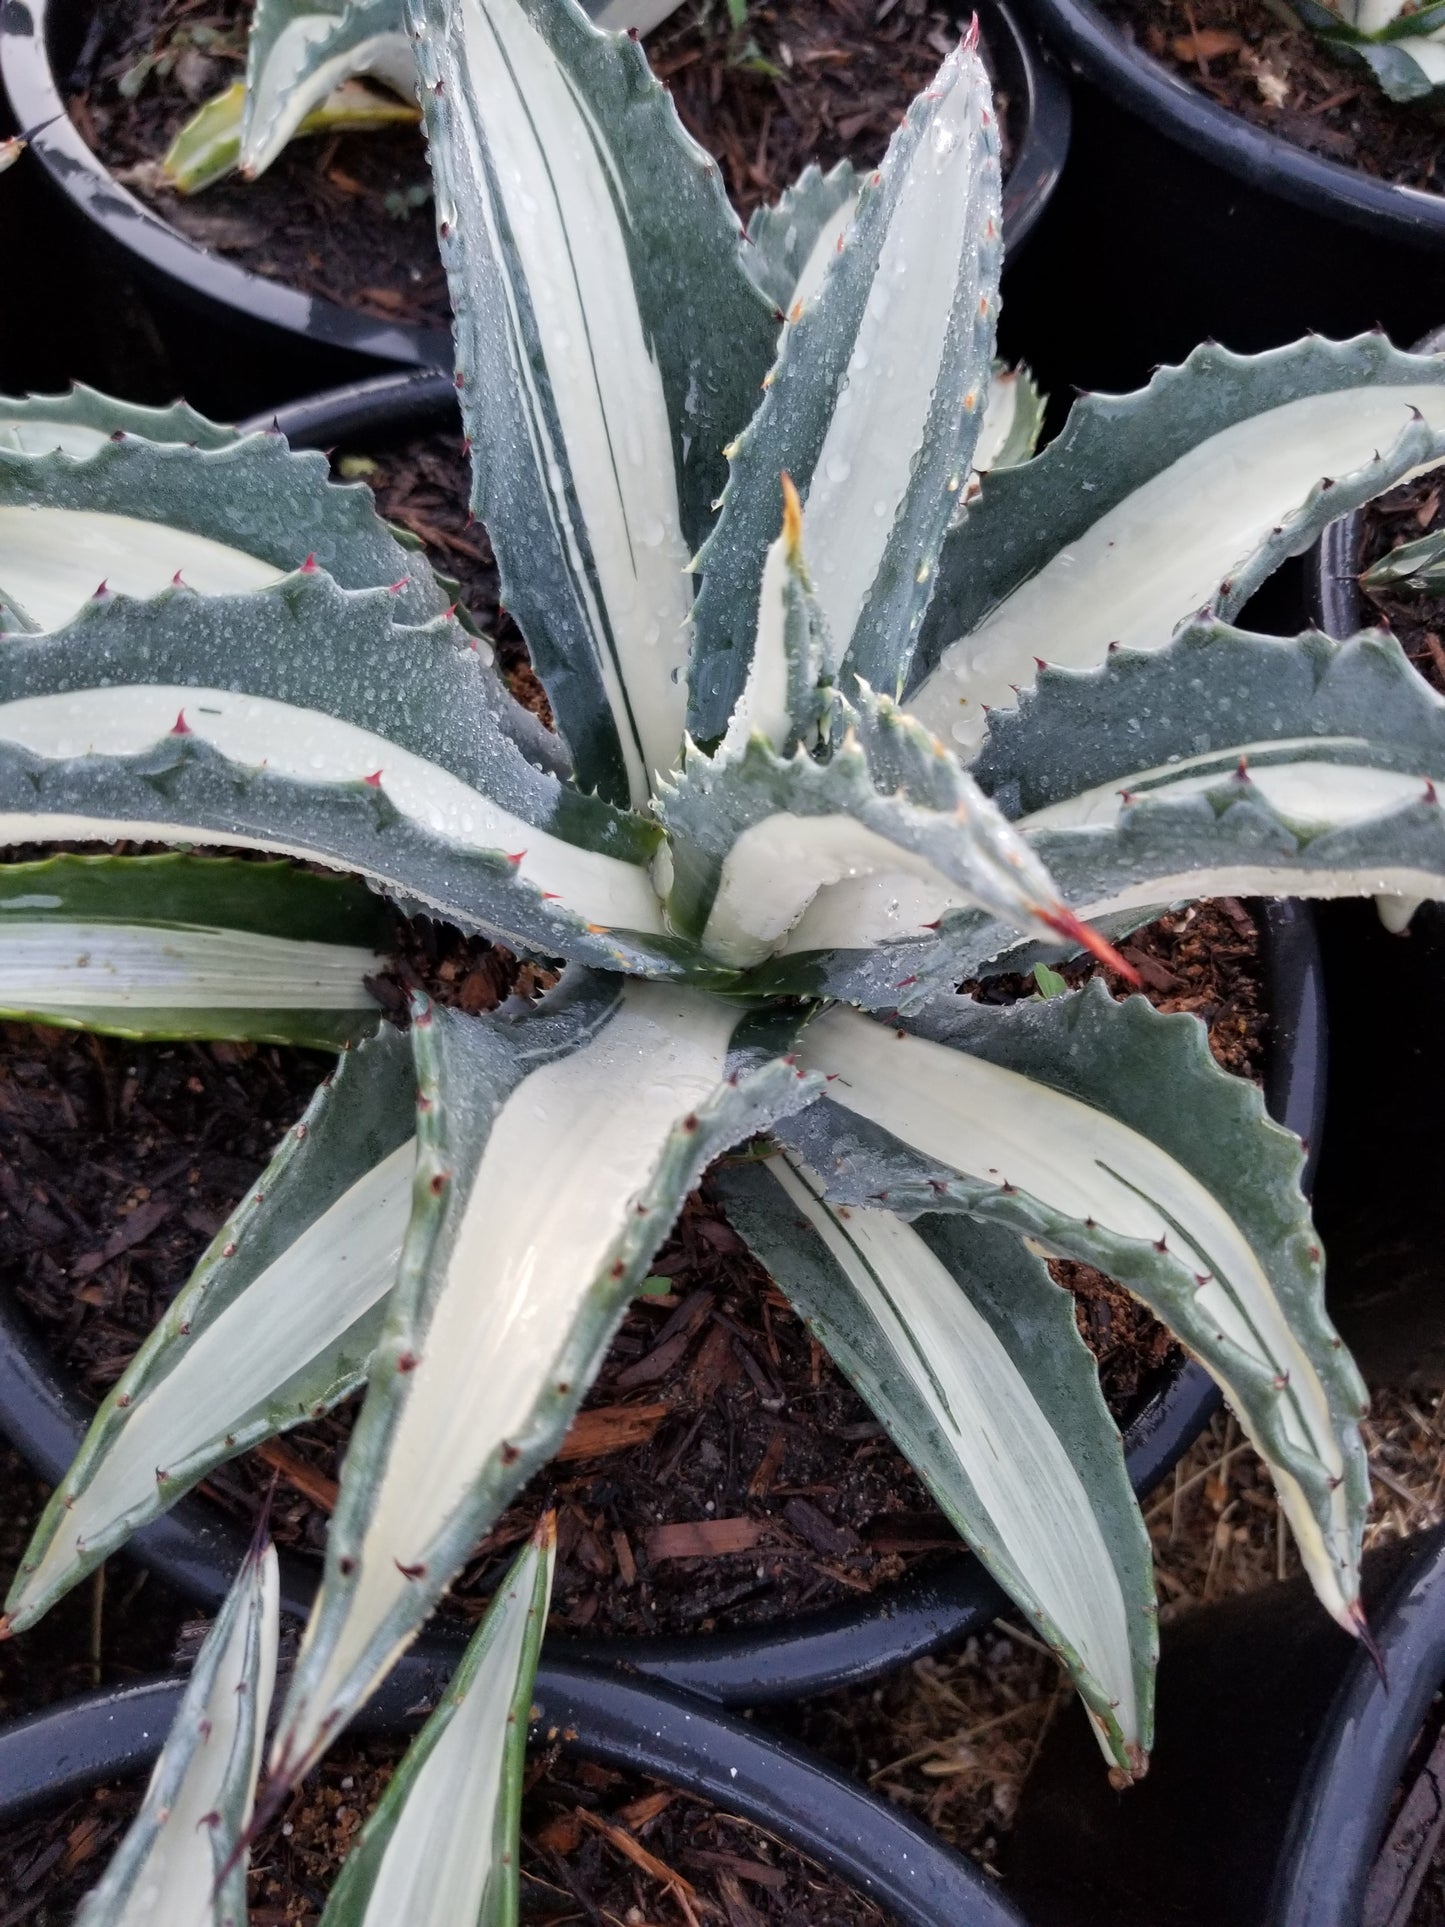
<point>441,1848</point>
<point>181,1863</point>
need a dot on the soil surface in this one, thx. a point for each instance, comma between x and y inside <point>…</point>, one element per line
<point>349,217</point>
<point>1242,55</point>
<point>597,1846</point>
<point>1404,515</point>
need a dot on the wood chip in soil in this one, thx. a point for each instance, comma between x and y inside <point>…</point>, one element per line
<point>1242,55</point>
<point>1404,515</point>
<point>349,217</point>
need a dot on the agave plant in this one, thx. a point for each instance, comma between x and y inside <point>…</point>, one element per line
<point>1415,568</point>
<point>727,523</point>
<point>179,1860</point>
<point>1402,42</point>
<point>183,1860</point>
<point>308,68</point>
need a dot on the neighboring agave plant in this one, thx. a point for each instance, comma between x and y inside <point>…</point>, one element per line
<point>183,1861</point>
<point>441,1849</point>
<point>1402,42</point>
<point>766,875</point>
<point>308,65</point>
<point>1415,568</point>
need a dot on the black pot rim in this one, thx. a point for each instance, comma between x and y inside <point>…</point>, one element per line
<point>197,1548</point>
<point>205,278</point>
<point>1332,593</point>
<point>1264,161</point>
<point>873,1846</point>
<point>1340,1813</point>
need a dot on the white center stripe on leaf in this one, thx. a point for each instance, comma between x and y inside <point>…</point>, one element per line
<point>982,1405</point>
<point>312,747</point>
<point>616,463</point>
<point>434,1869</point>
<point>1162,552</point>
<point>1311,793</point>
<point>567,1155</point>
<point>303,1301</point>
<point>823,253</point>
<point>866,462</point>
<point>52,560</point>
<point>777,868</point>
<point>992,1123</point>
<point>53,965</point>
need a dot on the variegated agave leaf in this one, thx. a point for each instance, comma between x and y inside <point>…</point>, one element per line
<point>1108,1134</point>
<point>1415,568</point>
<point>336,736</point>
<point>970,1355</point>
<point>873,406</point>
<point>795,242</point>
<point>134,512</point>
<point>80,421</point>
<point>554,1153</point>
<point>1332,793</point>
<point>784,700</point>
<point>1316,777</point>
<point>208,147</point>
<point>95,492</point>
<point>169,1867</point>
<point>797,239</point>
<point>183,946</point>
<point>300,51</point>
<point>609,343</point>
<point>1150,507</point>
<point>276,1325</point>
<point>414,1862</point>
<point>1013,420</point>
<point>1402,42</point>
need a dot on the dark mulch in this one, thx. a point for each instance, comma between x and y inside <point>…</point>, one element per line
<point>597,1845</point>
<point>1242,55</point>
<point>1404,515</point>
<point>339,216</point>
<point>118,1164</point>
<point>813,80</point>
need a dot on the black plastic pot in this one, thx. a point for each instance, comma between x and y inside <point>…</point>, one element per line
<point>874,1847</point>
<point>197,1550</point>
<point>1270,1787</point>
<point>1178,221</point>
<point>263,342</point>
<point>1380,1203</point>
